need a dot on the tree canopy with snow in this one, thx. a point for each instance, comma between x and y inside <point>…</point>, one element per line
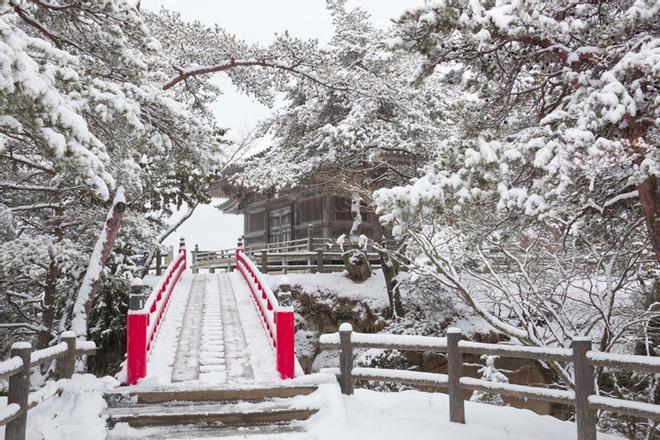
<point>82,111</point>
<point>568,121</point>
<point>541,211</point>
<point>512,146</point>
<point>347,120</point>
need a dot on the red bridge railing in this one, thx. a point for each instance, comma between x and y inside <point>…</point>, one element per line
<point>277,315</point>
<point>144,318</point>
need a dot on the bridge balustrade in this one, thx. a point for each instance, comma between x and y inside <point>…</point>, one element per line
<point>144,318</point>
<point>276,313</point>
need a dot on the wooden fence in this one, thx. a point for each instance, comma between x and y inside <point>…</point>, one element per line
<point>583,397</point>
<point>311,254</point>
<point>17,370</point>
<point>161,260</point>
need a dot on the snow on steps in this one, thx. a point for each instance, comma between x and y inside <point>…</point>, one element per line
<point>212,411</point>
<point>123,396</point>
<point>288,431</point>
<point>238,414</point>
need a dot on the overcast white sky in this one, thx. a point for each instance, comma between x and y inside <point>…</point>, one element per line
<point>256,21</point>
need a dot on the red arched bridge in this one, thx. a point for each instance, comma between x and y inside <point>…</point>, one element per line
<point>211,327</point>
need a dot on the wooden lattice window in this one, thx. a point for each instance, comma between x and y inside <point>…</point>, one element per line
<point>256,221</point>
<point>309,210</point>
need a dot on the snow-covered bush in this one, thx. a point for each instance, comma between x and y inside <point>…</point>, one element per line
<point>489,373</point>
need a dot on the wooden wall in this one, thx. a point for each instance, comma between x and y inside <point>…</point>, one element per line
<point>330,217</point>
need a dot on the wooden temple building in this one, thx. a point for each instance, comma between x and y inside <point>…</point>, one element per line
<point>321,201</point>
<point>289,216</point>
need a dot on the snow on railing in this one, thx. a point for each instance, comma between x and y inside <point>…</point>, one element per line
<point>42,356</point>
<point>583,397</point>
<point>17,370</point>
<point>10,367</point>
<point>145,316</point>
<point>278,319</point>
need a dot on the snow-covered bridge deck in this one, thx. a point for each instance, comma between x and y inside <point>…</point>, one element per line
<point>211,333</point>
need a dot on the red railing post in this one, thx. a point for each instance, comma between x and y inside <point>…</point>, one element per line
<point>136,345</point>
<point>286,334</point>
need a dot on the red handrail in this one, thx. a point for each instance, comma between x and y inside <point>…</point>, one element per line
<point>142,324</point>
<point>278,320</point>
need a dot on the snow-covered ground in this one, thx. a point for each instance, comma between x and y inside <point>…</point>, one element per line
<point>372,290</point>
<point>363,416</point>
<point>417,415</point>
<point>74,414</point>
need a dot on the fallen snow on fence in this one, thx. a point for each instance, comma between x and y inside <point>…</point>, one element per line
<point>10,365</point>
<point>382,339</point>
<point>626,406</point>
<point>9,411</point>
<point>39,356</point>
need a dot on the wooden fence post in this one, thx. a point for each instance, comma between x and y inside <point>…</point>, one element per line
<point>585,417</point>
<point>264,262</point>
<point>454,373</point>
<point>195,269</point>
<point>310,240</point>
<point>319,260</point>
<point>310,244</point>
<point>169,257</point>
<point>66,365</point>
<point>19,390</point>
<point>159,261</point>
<point>345,358</point>
<point>182,248</point>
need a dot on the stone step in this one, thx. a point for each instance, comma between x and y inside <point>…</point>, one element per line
<point>130,395</point>
<point>288,431</point>
<point>208,414</point>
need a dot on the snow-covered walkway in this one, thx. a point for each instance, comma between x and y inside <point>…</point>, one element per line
<point>211,333</point>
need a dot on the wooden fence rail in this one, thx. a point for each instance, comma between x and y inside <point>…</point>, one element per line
<point>17,370</point>
<point>583,397</point>
<point>304,254</point>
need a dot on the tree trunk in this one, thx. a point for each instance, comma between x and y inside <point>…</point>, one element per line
<point>649,339</point>
<point>99,256</point>
<point>355,259</point>
<point>649,197</point>
<point>48,303</point>
<point>390,271</point>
